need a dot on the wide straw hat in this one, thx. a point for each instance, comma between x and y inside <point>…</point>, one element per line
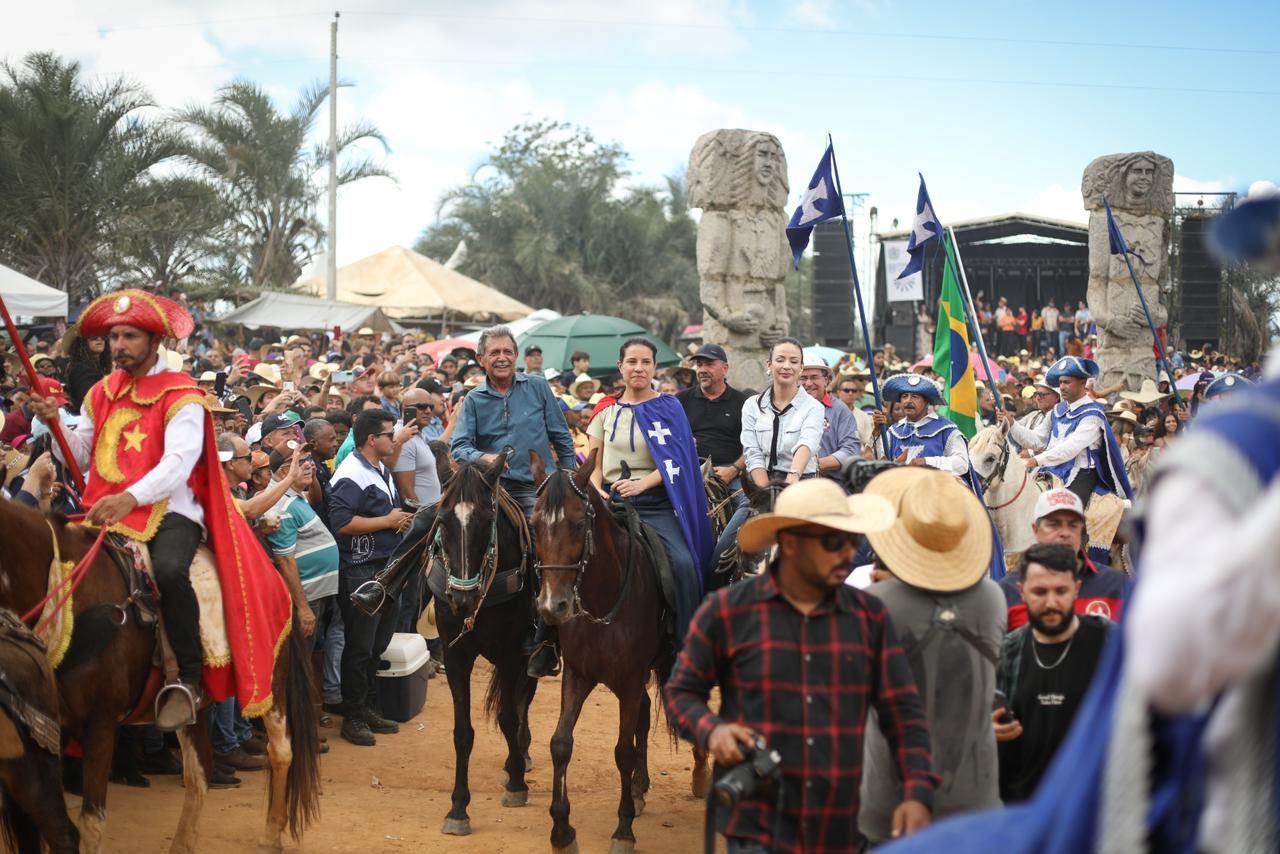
<point>942,538</point>
<point>817,501</point>
<point>1149,393</point>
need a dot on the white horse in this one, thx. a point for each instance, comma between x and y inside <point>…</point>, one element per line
<point>1010,491</point>
<point>1009,488</point>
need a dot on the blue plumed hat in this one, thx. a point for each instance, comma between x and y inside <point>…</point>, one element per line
<point>1071,366</point>
<point>896,386</point>
<point>1225,384</point>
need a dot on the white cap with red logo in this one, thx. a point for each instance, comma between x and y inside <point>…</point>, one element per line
<point>1058,499</point>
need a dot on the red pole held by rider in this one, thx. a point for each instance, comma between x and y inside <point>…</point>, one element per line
<point>56,426</point>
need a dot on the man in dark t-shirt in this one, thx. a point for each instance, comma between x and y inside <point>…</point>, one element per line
<point>1045,669</point>
<point>714,409</point>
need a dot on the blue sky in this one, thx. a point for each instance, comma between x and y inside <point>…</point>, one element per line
<point>999,104</point>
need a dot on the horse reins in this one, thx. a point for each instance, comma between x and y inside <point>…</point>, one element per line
<point>588,551</point>
<point>998,472</point>
<point>72,579</point>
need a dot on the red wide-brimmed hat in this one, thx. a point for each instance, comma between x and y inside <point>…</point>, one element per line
<point>133,307</point>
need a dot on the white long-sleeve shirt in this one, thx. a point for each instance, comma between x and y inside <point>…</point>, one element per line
<point>1205,617</point>
<point>1053,451</point>
<point>955,459</point>
<point>799,424</point>
<point>183,445</point>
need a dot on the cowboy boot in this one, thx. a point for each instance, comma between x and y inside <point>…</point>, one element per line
<point>545,658</point>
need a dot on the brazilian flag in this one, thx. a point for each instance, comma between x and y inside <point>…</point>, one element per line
<point>951,353</point>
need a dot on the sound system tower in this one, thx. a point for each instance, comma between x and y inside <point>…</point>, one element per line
<point>833,302</point>
<point>1201,288</point>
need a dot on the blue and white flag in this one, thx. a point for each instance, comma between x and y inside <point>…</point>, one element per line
<point>924,228</point>
<point>820,203</point>
<point>1114,236</point>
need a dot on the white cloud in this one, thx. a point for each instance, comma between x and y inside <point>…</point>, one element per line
<point>1185,184</point>
<point>813,13</point>
<point>1059,203</point>
<point>1262,189</point>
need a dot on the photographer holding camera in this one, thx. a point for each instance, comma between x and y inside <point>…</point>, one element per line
<point>800,658</point>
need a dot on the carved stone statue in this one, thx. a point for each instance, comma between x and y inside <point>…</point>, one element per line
<point>1140,188</point>
<point>739,179</point>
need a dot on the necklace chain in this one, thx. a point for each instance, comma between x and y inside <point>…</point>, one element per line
<point>1061,658</point>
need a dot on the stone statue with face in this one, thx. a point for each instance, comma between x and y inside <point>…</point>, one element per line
<point>739,179</point>
<point>1139,187</point>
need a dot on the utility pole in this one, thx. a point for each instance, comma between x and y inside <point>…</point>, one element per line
<point>331,271</point>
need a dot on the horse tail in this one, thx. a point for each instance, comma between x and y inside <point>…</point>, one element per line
<point>302,785</point>
<point>661,673</point>
<point>493,696</point>
<point>17,828</point>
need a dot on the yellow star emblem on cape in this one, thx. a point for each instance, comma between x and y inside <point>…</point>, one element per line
<point>133,438</point>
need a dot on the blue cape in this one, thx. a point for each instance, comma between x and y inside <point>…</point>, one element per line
<point>670,441</point>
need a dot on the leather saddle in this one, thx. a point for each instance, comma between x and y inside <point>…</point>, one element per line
<point>629,519</point>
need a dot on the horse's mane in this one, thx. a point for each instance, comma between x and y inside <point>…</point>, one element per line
<point>557,490</point>
<point>987,436</point>
<point>468,484</point>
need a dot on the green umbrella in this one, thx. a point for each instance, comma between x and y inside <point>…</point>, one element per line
<point>598,335</point>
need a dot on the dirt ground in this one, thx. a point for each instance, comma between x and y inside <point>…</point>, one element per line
<point>394,796</point>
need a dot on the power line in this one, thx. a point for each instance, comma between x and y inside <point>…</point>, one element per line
<point>823,31</point>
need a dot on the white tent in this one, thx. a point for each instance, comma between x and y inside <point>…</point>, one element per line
<point>297,312</point>
<point>407,285</point>
<point>24,295</point>
<point>521,326</point>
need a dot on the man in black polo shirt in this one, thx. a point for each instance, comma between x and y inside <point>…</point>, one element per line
<point>714,410</point>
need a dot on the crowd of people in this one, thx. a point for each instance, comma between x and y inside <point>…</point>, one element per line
<point>330,446</point>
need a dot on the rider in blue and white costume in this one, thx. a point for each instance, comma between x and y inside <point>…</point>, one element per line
<point>1076,442</point>
<point>923,437</point>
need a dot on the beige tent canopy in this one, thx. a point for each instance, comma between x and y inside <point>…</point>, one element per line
<point>406,285</point>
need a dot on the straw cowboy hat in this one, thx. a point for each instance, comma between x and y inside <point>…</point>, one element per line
<point>942,538</point>
<point>427,622</point>
<point>1118,414</point>
<point>818,501</point>
<point>1149,393</point>
<point>320,370</point>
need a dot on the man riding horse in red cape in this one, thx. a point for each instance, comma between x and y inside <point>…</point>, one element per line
<point>146,443</point>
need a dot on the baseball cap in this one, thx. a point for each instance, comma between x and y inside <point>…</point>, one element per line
<point>260,460</point>
<point>431,386</point>
<point>711,351</point>
<point>532,348</point>
<point>273,423</point>
<point>1058,499</point>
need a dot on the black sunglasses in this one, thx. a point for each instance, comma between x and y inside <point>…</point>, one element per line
<point>832,541</point>
<point>384,433</point>
<point>245,457</point>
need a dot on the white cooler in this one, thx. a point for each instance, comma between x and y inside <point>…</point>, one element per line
<point>402,676</point>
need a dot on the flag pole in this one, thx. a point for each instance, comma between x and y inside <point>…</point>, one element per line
<point>973,313</point>
<point>1124,245</point>
<point>857,292</point>
<point>55,426</point>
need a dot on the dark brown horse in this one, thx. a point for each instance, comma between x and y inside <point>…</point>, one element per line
<point>483,595</point>
<point>105,671</point>
<point>600,587</point>
<point>32,807</point>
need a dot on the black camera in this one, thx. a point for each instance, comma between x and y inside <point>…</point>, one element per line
<point>859,472</point>
<point>742,780</point>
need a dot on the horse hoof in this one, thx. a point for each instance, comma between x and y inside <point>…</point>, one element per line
<point>456,827</point>
<point>621,846</point>
<point>701,785</point>
<point>571,848</point>
<point>515,799</point>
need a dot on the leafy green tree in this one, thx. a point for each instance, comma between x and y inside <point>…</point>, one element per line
<point>545,220</point>
<point>173,234</point>
<point>72,154</point>
<point>271,176</point>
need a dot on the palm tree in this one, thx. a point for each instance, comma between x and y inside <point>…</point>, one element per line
<point>71,155</point>
<point>268,172</point>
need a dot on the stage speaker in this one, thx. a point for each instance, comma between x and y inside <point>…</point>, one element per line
<point>833,301</point>
<point>1200,289</point>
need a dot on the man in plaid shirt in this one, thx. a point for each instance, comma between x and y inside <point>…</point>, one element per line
<point>800,658</point>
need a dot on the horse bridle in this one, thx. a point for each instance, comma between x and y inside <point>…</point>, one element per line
<point>1002,462</point>
<point>579,569</point>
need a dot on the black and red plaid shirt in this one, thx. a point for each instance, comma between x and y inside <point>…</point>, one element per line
<point>805,683</point>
